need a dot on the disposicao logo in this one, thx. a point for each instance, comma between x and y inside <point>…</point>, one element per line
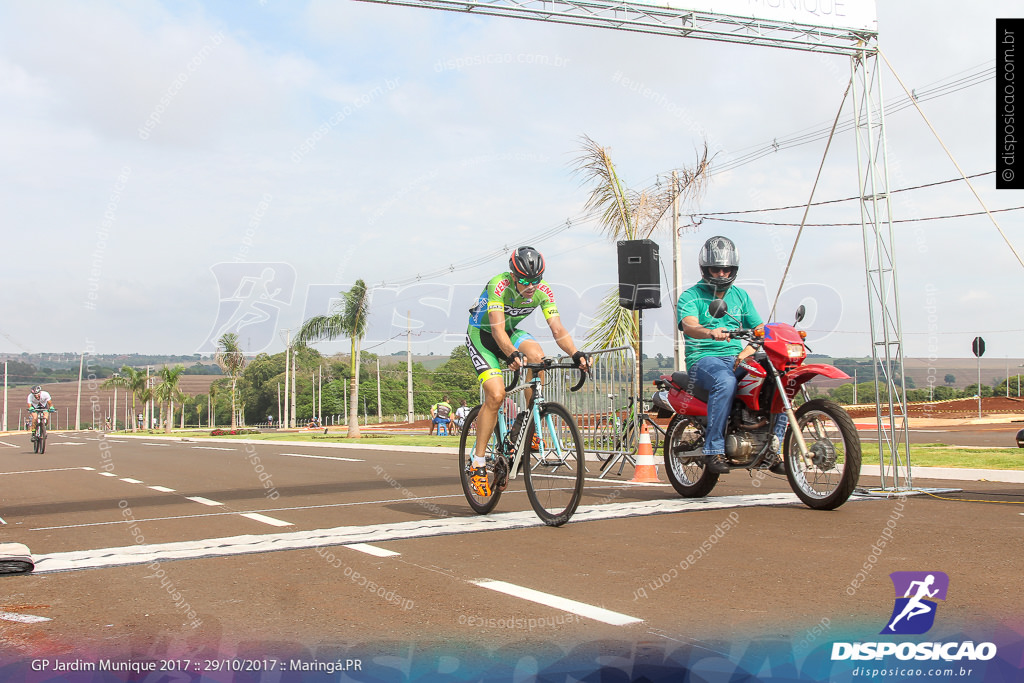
<point>913,614</point>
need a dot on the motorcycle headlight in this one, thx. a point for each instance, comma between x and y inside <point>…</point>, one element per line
<point>795,350</point>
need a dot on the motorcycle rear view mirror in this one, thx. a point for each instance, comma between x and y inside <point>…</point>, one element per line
<point>717,308</point>
<point>800,312</point>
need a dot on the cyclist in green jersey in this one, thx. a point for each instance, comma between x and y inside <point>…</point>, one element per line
<point>493,336</point>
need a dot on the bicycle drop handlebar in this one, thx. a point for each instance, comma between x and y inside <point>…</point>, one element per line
<point>547,364</point>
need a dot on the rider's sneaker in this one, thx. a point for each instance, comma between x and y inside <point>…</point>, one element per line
<point>716,463</point>
<point>777,466</point>
<point>478,479</point>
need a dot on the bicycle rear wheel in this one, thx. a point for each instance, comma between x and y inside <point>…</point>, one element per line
<point>554,471</point>
<point>467,448</point>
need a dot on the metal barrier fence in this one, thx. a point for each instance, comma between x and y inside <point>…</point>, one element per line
<point>602,407</point>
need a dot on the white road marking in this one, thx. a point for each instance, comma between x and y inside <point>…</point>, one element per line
<point>162,489</point>
<point>321,457</point>
<point>107,474</point>
<point>372,550</point>
<point>22,618</point>
<point>54,469</point>
<point>266,520</point>
<point>560,603</point>
<point>204,501</point>
<point>166,445</point>
<point>68,443</point>
<point>213,448</point>
<point>131,481</point>
<point>8,444</point>
<point>419,528</point>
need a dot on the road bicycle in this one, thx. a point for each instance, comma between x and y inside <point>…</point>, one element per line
<point>542,441</point>
<point>626,433</point>
<point>39,433</point>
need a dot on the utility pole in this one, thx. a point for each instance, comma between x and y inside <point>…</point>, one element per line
<point>295,369</point>
<point>78,403</point>
<point>287,370</point>
<point>677,273</point>
<point>408,363</point>
<point>380,417</point>
<point>5,396</point>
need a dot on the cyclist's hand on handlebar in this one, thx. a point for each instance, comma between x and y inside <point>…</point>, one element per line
<point>516,360</point>
<point>721,334</point>
<point>581,360</point>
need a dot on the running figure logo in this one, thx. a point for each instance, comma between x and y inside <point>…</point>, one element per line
<point>251,298</point>
<point>914,612</point>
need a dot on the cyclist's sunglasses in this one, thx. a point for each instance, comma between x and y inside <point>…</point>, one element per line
<point>525,282</point>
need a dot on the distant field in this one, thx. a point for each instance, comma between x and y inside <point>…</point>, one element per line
<point>65,398</point>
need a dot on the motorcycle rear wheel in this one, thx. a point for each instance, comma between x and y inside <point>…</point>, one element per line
<point>684,461</point>
<point>833,444</point>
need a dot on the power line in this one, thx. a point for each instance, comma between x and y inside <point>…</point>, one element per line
<point>844,225</point>
<point>845,199</point>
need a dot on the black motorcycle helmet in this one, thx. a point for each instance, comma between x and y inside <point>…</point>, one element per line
<point>526,262</point>
<point>719,252</point>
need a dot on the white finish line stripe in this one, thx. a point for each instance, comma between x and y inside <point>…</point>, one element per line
<point>204,501</point>
<point>266,520</point>
<point>372,550</point>
<point>564,604</point>
<point>22,618</point>
<point>346,535</point>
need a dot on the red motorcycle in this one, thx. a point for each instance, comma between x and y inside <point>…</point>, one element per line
<point>821,456</point>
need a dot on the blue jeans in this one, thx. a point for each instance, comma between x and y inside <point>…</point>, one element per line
<point>716,375</point>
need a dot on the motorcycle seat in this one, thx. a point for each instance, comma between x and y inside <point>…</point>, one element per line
<point>682,380</point>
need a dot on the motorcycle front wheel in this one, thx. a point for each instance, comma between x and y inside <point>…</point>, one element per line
<point>684,460</point>
<point>827,478</point>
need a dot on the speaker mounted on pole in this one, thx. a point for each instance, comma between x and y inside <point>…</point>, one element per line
<point>639,277</point>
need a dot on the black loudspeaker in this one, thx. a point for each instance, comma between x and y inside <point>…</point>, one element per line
<point>639,280</point>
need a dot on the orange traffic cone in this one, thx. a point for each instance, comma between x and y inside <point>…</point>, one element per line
<point>646,472</point>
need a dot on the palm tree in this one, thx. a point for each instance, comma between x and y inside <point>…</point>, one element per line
<point>347,318</point>
<point>134,382</point>
<point>628,215</point>
<point>230,357</point>
<point>167,391</point>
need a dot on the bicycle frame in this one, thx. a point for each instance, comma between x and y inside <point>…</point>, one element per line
<point>519,447</point>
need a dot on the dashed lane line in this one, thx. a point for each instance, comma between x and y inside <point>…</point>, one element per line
<point>320,457</point>
<point>564,604</point>
<point>22,618</point>
<point>372,550</point>
<point>265,519</point>
<point>212,448</point>
<point>204,501</point>
<point>162,489</point>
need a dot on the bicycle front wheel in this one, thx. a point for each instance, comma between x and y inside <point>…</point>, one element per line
<point>42,438</point>
<point>467,448</point>
<point>554,471</point>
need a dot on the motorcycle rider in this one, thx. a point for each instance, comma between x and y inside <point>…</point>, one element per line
<point>712,358</point>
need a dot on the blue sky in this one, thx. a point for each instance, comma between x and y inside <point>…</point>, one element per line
<point>161,158</point>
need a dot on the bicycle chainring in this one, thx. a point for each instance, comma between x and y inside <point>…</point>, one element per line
<point>500,473</point>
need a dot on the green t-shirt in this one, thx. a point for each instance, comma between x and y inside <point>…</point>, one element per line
<point>500,294</point>
<point>695,300</point>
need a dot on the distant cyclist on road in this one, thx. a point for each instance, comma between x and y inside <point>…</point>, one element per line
<point>507,299</point>
<point>38,400</point>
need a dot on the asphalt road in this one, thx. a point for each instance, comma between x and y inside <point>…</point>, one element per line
<point>198,552</point>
